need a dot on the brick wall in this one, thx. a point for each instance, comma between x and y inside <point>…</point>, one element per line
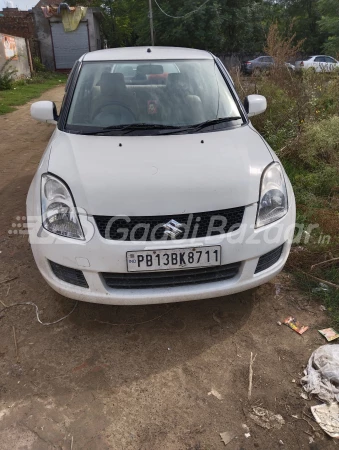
<point>17,23</point>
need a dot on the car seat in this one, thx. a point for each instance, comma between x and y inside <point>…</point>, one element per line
<point>186,107</point>
<point>115,99</point>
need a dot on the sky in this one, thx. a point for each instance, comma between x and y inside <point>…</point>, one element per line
<point>24,5</point>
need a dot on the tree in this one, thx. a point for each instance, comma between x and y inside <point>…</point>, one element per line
<point>329,24</point>
<point>221,26</point>
<point>201,29</point>
<point>120,19</point>
<point>304,15</point>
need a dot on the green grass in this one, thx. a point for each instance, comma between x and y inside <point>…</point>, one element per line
<point>328,297</point>
<point>24,91</point>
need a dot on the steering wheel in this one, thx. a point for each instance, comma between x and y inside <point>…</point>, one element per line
<point>99,108</point>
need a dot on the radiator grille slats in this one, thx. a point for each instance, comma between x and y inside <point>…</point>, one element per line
<point>147,228</point>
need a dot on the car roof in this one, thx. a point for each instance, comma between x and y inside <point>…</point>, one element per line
<point>143,53</point>
<point>262,56</point>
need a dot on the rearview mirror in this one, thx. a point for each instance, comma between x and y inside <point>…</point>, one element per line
<point>255,104</point>
<point>44,111</point>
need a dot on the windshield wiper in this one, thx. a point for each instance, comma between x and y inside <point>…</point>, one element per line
<point>200,126</point>
<point>169,129</point>
<point>209,123</point>
<point>147,126</point>
<point>125,129</point>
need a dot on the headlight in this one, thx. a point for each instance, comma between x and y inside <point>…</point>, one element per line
<point>273,202</point>
<point>59,215</point>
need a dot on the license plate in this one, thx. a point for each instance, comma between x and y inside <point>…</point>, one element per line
<point>173,259</point>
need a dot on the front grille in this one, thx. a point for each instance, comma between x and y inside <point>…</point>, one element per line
<point>174,278</point>
<point>147,228</point>
<point>72,276</point>
<point>270,258</point>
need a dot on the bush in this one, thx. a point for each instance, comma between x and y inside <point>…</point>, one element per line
<point>6,76</point>
<point>5,81</point>
<point>37,65</point>
<point>319,143</point>
<point>22,82</point>
<point>301,124</point>
<point>319,183</point>
<point>279,124</point>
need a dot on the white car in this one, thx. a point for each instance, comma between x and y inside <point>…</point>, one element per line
<point>150,192</point>
<point>319,63</point>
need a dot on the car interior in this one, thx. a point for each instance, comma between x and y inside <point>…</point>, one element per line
<point>145,94</point>
<point>150,95</point>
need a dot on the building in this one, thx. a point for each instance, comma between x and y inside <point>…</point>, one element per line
<point>46,36</point>
<point>60,49</point>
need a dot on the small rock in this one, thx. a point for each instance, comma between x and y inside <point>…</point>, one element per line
<point>215,393</point>
<point>247,435</point>
<point>281,442</point>
<point>227,437</point>
<point>279,323</point>
<point>245,427</point>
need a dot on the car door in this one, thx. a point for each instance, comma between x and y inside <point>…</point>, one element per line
<point>319,64</point>
<point>259,63</point>
<point>264,62</point>
<point>268,61</point>
<point>331,63</point>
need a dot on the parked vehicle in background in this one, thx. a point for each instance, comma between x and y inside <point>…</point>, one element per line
<point>260,64</point>
<point>318,63</point>
<point>290,66</point>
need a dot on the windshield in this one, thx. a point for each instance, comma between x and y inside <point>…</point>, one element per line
<point>169,94</point>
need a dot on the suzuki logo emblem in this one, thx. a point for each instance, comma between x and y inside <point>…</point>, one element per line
<point>172,229</point>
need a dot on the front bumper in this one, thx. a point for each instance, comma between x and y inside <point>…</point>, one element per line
<point>97,255</point>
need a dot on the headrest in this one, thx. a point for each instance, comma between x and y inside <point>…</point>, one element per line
<point>148,69</point>
<point>111,83</point>
<point>177,80</point>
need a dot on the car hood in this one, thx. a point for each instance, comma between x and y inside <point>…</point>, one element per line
<point>158,175</point>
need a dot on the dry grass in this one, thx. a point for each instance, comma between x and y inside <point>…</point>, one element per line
<point>282,48</point>
<point>302,125</point>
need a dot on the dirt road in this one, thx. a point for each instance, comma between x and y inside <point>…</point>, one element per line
<point>84,384</point>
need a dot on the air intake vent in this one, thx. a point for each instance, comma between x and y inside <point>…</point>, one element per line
<point>71,276</point>
<point>147,280</point>
<point>270,258</point>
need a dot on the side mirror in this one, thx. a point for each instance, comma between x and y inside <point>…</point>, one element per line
<point>44,111</point>
<point>255,104</point>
